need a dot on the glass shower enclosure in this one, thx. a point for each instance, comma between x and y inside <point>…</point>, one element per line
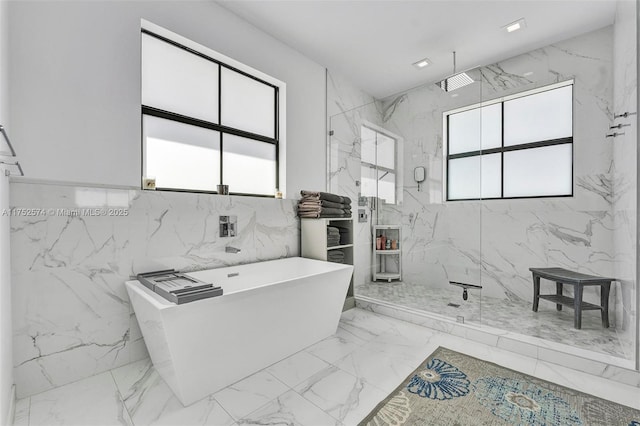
<point>391,163</point>
<point>452,169</point>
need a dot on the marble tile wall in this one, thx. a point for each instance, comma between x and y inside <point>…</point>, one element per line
<point>347,108</point>
<point>494,243</point>
<point>72,317</point>
<point>624,170</point>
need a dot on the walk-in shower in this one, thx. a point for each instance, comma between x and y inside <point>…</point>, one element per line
<point>477,222</point>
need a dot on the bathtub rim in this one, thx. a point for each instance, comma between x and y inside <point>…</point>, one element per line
<point>160,302</point>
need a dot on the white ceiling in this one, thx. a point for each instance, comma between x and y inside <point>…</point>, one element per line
<point>374,43</point>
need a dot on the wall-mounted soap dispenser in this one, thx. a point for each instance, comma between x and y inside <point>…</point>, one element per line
<point>419,175</point>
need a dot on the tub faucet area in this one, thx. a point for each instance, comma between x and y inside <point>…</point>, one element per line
<point>229,249</point>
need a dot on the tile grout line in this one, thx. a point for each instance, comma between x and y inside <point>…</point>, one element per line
<point>275,377</point>
<point>316,405</point>
<point>122,401</point>
<point>292,388</point>
<point>28,413</point>
<point>289,388</point>
<point>223,409</point>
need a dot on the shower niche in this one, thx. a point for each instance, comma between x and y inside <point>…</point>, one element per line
<point>387,253</point>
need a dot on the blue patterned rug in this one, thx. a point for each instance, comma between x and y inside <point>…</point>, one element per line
<point>450,388</point>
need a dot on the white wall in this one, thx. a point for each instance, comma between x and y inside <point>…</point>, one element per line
<point>4,65</point>
<point>6,331</point>
<point>76,86</point>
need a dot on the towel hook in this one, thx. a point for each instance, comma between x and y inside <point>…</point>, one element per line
<point>615,134</point>
<point>619,126</point>
<point>624,115</point>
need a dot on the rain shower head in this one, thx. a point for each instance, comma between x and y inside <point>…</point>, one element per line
<point>455,81</point>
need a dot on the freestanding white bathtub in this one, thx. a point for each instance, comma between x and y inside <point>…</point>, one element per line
<point>269,310</point>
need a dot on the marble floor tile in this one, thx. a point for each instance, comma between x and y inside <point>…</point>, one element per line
<point>89,402</point>
<point>508,315</point>
<point>249,394</point>
<point>335,382</point>
<point>597,386</point>
<point>381,366</point>
<point>337,346</point>
<point>150,401</point>
<point>297,368</point>
<point>403,331</point>
<point>289,409</point>
<point>340,394</point>
<point>21,416</point>
<point>514,361</point>
<point>363,324</point>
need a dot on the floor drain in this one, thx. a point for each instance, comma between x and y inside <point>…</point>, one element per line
<point>453,305</point>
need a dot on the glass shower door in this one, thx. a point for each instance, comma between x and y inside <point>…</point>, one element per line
<point>390,158</point>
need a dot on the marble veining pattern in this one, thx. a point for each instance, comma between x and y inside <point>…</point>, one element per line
<point>515,316</point>
<point>494,243</point>
<point>625,89</point>
<point>72,317</point>
<point>340,393</point>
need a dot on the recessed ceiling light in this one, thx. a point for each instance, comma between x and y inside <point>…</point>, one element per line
<point>515,26</point>
<point>528,73</point>
<point>421,63</point>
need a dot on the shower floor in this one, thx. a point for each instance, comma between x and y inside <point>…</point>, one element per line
<point>503,314</point>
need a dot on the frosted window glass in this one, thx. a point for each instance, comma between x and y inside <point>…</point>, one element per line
<point>538,171</point>
<point>464,178</point>
<point>387,187</point>
<point>475,177</point>
<point>368,145</point>
<point>181,156</point>
<point>178,81</point>
<point>368,181</point>
<point>491,180</point>
<point>247,104</point>
<point>479,128</point>
<point>386,151</point>
<point>491,126</point>
<point>249,166</point>
<point>543,116</point>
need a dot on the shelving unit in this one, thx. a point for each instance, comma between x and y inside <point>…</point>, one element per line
<point>313,244</point>
<point>387,263</point>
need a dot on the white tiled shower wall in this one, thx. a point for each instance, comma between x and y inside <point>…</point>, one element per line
<point>496,242</point>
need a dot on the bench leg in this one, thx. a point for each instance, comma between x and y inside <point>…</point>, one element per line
<point>536,292</point>
<point>577,306</point>
<point>558,293</point>
<point>604,302</point>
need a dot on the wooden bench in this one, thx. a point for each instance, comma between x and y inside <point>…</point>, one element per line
<point>578,281</point>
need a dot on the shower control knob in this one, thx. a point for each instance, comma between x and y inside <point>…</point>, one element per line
<point>465,294</point>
